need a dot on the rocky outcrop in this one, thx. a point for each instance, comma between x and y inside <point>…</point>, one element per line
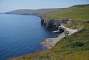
<point>53,25</point>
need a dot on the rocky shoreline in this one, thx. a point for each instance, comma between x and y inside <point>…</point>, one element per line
<point>56,26</point>
<point>51,42</point>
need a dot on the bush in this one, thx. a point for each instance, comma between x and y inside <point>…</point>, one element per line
<point>77,44</point>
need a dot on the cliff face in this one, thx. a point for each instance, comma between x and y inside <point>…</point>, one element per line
<point>53,25</point>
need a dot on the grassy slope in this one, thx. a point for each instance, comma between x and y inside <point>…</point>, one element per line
<point>76,13</point>
<point>75,47</point>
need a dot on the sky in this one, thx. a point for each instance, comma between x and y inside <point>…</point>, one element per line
<point>7,5</point>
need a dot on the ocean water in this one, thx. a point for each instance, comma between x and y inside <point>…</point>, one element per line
<point>20,34</point>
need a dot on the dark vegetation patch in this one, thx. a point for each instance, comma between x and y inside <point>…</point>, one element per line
<point>77,44</point>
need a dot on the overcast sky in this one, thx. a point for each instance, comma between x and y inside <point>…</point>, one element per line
<point>7,5</point>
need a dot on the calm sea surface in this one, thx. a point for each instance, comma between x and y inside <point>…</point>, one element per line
<point>20,34</point>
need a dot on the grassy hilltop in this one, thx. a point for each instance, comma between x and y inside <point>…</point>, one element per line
<point>74,47</point>
<point>77,12</point>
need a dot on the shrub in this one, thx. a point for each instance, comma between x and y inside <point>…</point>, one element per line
<point>77,44</point>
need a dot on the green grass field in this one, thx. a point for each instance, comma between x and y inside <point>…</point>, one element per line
<point>75,13</point>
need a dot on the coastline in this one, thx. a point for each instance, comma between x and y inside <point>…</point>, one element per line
<point>49,43</point>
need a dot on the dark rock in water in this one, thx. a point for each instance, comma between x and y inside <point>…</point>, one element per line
<point>42,21</point>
